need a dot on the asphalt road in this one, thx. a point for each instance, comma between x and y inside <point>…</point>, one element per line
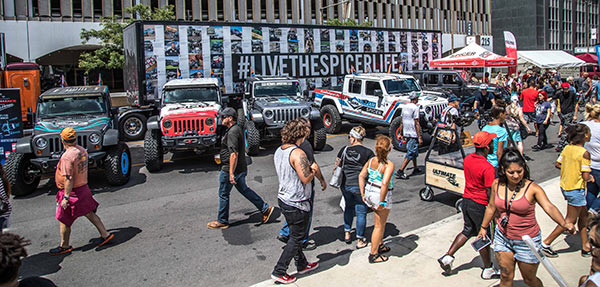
<point>160,223</point>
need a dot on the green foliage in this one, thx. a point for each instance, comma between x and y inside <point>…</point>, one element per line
<point>110,37</point>
<point>348,23</point>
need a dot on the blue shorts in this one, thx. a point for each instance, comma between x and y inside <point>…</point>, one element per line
<point>412,148</point>
<point>575,197</point>
<point>518,247</point>
<point>516,136</point>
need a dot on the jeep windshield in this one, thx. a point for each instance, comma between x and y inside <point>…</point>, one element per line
<point>71,106</point>
<point>187,95</point>
<point>401,86</point>
<point>277,89</point>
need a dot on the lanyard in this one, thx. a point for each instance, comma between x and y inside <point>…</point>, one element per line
<point>511,200</point>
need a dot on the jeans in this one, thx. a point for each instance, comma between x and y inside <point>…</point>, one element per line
<point>542,138</point>
<point>593,188</point>
<point>285,230</point>
<point>298,222</point>
<point>565,120</point>
<point>225,188</point>
<point>354,205</point>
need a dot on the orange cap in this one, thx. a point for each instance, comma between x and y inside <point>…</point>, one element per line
<point>482,139</point>
<point>68,134</point>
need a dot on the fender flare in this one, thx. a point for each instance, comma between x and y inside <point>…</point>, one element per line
<point>24,145</point>
<point>333,101</point>
<point>111,138</point>
<point>152,123</point>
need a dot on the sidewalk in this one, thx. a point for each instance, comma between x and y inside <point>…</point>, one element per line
<point>413,259</point>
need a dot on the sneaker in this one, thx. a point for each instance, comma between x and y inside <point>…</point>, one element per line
<point>60,250</point>
<point>217,225</point>
<point>401,175</point>
<point>490,273</point>
<point>446,262</point>
<point>309,245</point>
<point>267,214</point>
<point>309,267</point>
<point>549,252</point>
<point>586,253</point>
<point>284,279</point>
<point>283,238</point>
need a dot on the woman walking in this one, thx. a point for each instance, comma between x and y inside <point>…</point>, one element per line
<point>5,207</point>
<point>592,113</point>
<point>353,158</point>
<point>514,119</point>
<point>376,184</point>
<point>574,164</point>
<point>512,203</point>
<point>543,114</point>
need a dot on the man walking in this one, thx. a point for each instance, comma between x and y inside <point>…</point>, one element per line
<point>234,171</point>
<point>479,176</point>
<point>411,131</point>
<point>569,105</point>
<point>295,175</point>
<point>284,233</point>
<point>529,97</point>
<point>74,198</point>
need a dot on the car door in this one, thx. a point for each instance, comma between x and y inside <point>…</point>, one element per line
<point>372,103</point>
<point>431,80</point>
<point>449,81</point>
<point>354,94</point>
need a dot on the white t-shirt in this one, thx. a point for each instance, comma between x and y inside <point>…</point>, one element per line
<point>593,146</point>
<point>410,113</point>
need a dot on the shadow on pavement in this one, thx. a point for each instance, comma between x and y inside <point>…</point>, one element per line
<point>475,263</point>
<point>239,233</point>
<point>41,264</point>
<point>122,235</point>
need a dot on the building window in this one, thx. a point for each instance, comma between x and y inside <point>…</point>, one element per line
<point>97,9</point>
<point>117,8</point>
<point>55,8</point>
<point>77,10</point>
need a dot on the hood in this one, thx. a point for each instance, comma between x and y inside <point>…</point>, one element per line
<point>427,98</point>
<point>188,109</point>
<point>274,102</point>
<point>78,124</point>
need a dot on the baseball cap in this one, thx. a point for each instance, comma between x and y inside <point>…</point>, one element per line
<point>514,98</point>
<point>68,134</point>
<point>453,98</point>
<point>413,96</point>
<point>228,112</point>
<point>565,85</point>
<point>483,87</point>
<point>483,138</point>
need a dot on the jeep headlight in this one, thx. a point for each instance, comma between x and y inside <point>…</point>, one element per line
<point>304,112</point>
<point>210,121</point>
<point>94,138</point>
<point>269,114</point>
<point>167,124</point>
<point>428,110</point>
<point>41,143</point>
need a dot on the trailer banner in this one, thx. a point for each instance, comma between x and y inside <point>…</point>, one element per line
<point>10,121</point>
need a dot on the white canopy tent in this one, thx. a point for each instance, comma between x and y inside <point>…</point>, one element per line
<point>548,59</point>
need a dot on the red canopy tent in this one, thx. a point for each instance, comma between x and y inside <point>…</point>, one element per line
<point>588,58</point>
<point>473,55</point>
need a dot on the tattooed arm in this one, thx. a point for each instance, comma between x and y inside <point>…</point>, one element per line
<point>302,166</point>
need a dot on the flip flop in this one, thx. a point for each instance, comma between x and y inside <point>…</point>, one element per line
<point>60,250</point>
<point>106,240</point>
<point>364,241</point>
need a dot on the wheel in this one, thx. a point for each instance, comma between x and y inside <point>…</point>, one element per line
<point>22,175</point>
<point>153,153</point>
<point>133,127</point>
<point>459,205</point>
<point>252,138</point>
<point>117,164</point>
<point>331,119</point>
<point>318,139</point>
<point>426,194</point>
<point>241,118</point>
<point>395,134</point>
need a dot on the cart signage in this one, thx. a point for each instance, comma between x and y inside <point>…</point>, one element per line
<point>450,177</point>
<point>447,175</point>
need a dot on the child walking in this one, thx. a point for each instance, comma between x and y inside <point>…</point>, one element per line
<point>574,164</point>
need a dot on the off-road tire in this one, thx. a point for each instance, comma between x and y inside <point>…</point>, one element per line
<point>117,164</point>
<point>153,153</point>
<point>140,118</point>
<point>252,138</point>
<point>241,118</point>
<point>318,139</point>
<point>15,167</point>
<point>332,121</point>
<point>395,133</point>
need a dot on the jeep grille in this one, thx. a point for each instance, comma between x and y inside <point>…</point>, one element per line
<point>55,143</point>
<point>183,126</point>
<point>285,115</point>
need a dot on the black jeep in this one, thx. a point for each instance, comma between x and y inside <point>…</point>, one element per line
<point>87,110</point>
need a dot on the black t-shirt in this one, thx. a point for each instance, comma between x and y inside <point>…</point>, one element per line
<point>233,141</point>
<point>485,102</point>
<point>567,101</point>
<point>356,157</point>
<point>308,150</point>
<point>36,282</point>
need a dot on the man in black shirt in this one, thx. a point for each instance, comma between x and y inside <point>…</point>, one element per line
<point>569,105</point>
<point>233,172</point>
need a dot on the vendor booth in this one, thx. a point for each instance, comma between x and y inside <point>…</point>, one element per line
<point>472,55</point>
<point>565,63</point>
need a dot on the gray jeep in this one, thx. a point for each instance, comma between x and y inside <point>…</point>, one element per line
<point>268,103</point>
<point>87,110</point>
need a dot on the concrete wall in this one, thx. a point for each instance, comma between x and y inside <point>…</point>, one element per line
<point>519,17</point>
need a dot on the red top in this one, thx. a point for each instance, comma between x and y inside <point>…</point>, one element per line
<point>479,175</point>
<point>522,217</point>
<point>529,98</point>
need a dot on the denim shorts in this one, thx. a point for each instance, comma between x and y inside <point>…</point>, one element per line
<point>518,247</point>
<point>412,148</point>
<point>575,197</point>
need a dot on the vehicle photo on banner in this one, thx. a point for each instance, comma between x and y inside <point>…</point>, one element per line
<point>10,121</point>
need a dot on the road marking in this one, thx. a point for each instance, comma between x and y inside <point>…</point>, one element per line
<point>136,142</point>
<point>336,135</point>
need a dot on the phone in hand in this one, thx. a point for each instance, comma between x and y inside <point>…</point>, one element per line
<point>481,243</point>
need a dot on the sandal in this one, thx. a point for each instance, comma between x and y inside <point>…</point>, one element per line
<point>383,248</point>
<point>60,250</point>
<point>361,241</point>
<point>377,258</point>
<point>105,240</point>
<point>348,238</point>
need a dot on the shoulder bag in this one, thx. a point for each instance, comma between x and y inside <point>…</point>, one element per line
<point>336,179</point>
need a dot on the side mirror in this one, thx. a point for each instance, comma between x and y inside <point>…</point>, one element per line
<point>224,100</point>
<point>114,111</point>
<point>379,93</point>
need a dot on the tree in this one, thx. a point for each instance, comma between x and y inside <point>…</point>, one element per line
<point>348,23</point>
<point>110,37</point>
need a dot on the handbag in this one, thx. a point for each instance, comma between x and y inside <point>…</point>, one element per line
<point>523,130</point>
<point>336,179</point>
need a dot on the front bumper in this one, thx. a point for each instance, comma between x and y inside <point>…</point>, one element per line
<point>189,142</point>
<point>47,165</point>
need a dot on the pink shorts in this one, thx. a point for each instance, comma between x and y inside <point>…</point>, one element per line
<point>80,203</point>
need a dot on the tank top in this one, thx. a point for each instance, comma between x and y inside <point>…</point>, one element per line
<point>593,146</point>
<point>376,176</point>
<point>522,219</point>
<point>291,189</point>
